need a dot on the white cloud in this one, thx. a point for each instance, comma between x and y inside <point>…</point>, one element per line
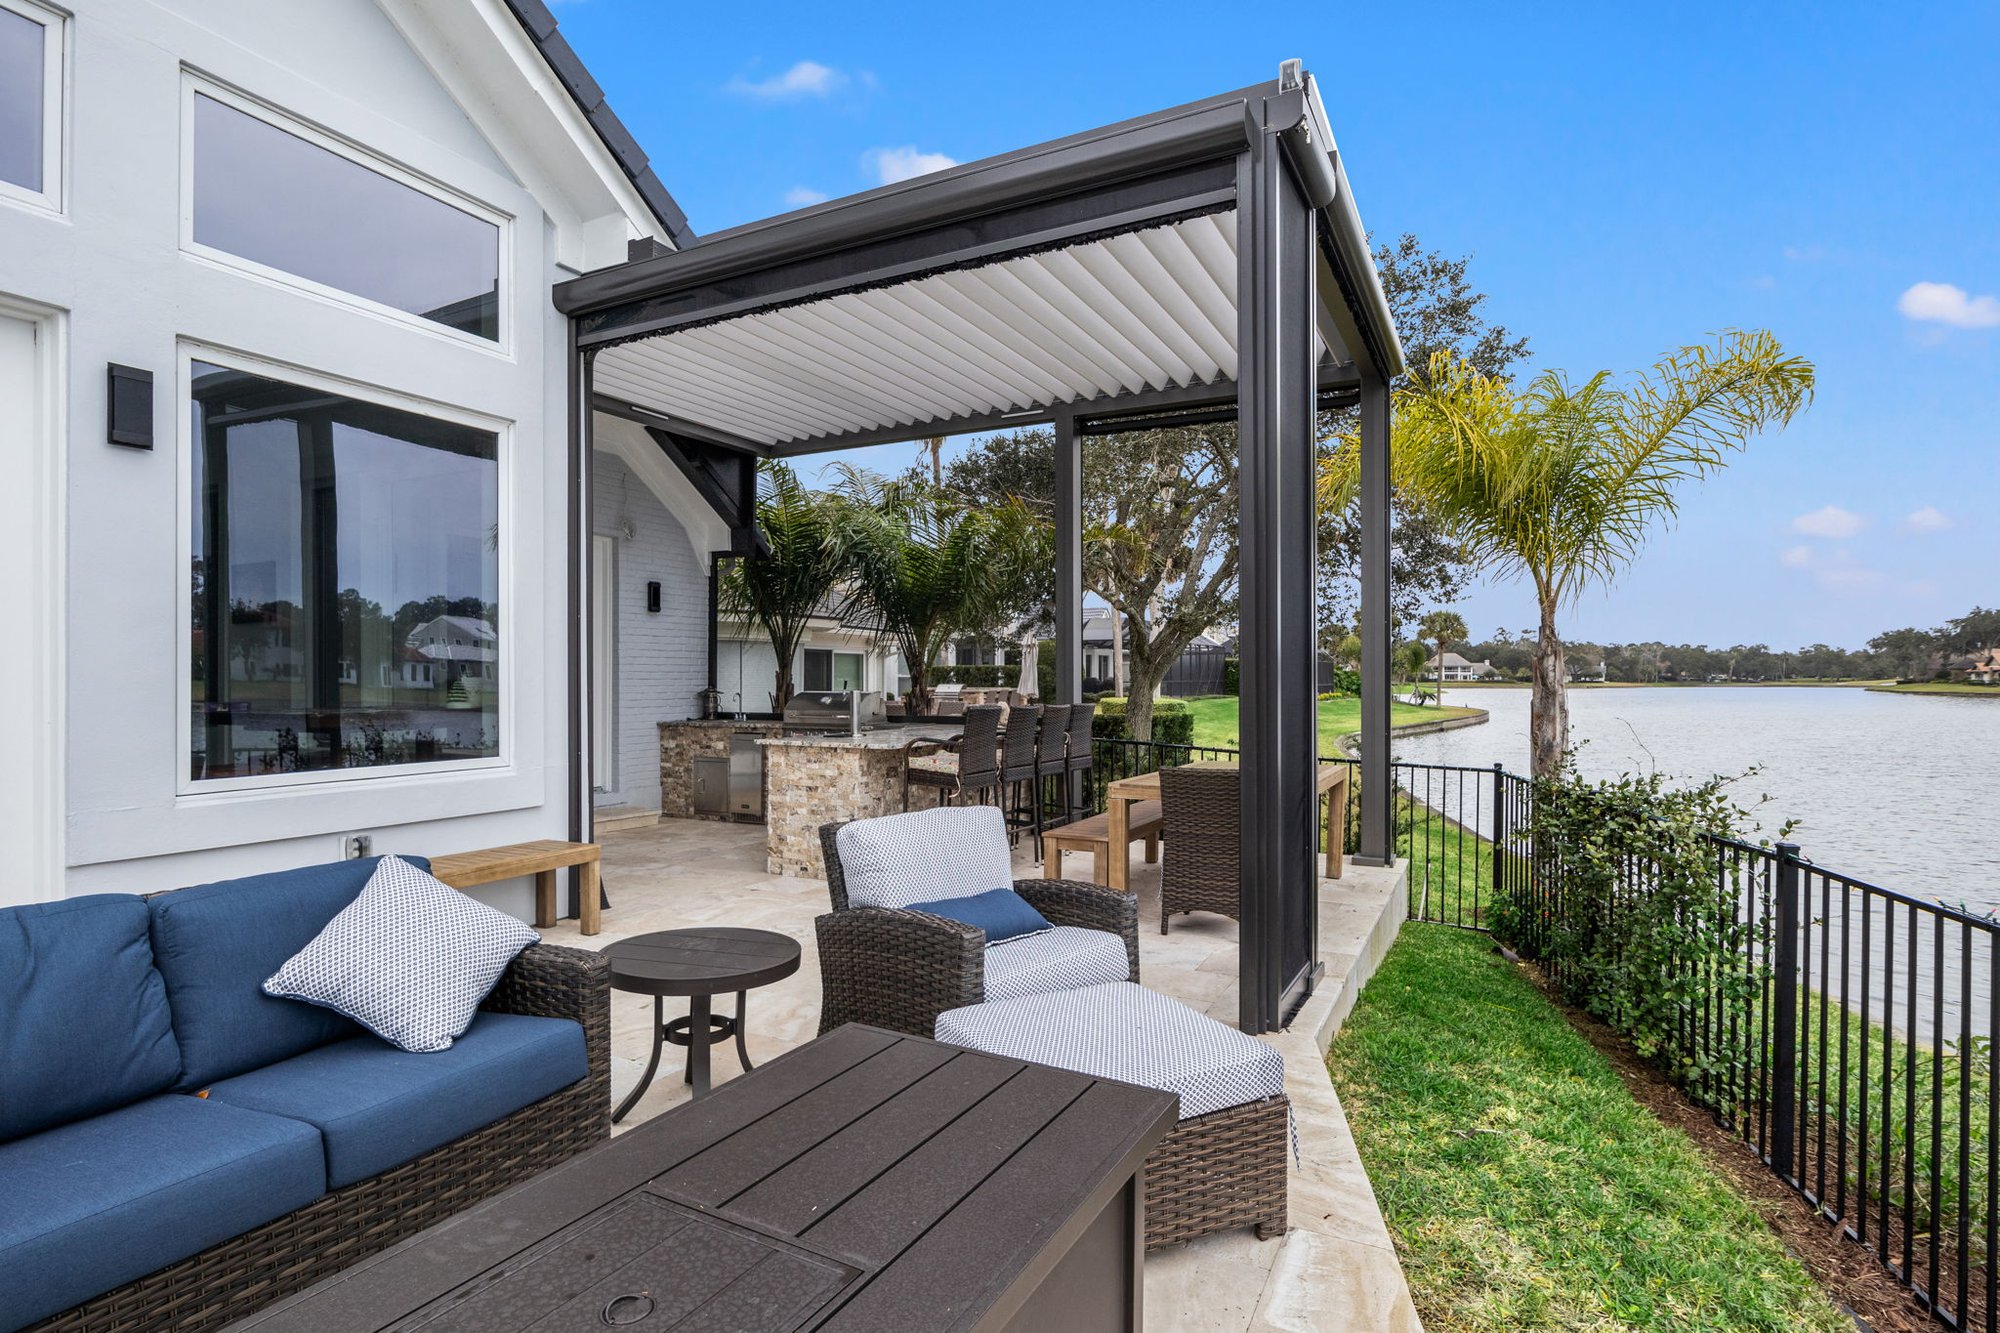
<point>1942,303</point>
<point>890,165</point>
<point>808,78</point>
<point>1832,522</point>
<point>1835,569</point>
<point>1796,557</point>
<point>800,196</point>
<point>1928,519</point>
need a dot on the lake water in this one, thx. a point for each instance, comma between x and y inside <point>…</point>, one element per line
<point>1899,790</point>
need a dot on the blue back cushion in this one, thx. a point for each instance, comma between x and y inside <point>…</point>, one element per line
<point>1002,913</point>
<point>216,943</point>
<point>84,1026</point>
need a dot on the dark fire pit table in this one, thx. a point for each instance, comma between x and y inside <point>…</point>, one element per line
<point>867,1182</point>
<point>700,963</point>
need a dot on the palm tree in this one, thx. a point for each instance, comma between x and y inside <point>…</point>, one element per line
<point>1411,659</point>
<point>800,576</point>
<point>1442,627</point>
<point>1561,483</point>
<point>926,567</point>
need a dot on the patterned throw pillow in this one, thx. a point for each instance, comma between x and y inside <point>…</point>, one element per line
<point>410,959</point>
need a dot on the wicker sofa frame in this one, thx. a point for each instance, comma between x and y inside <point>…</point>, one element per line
<point>898,969</point>
<point>1218,1171</point>
<point>240,1276</point>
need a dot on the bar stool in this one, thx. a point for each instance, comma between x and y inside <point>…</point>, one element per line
<point>1017,768</point>
<point>1078,792</point>
<point>973,771</point>
<point>1051,768</point>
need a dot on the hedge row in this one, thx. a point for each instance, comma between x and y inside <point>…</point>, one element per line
<point>1173,721</point>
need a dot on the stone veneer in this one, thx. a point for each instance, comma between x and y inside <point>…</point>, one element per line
<point>808,784</point>
<point>681,743</point>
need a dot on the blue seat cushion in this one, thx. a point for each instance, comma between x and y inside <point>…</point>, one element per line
<point>93,1205</point>
<point>84,1025</point>
<point>378,1107</point>
<point>216,943</point>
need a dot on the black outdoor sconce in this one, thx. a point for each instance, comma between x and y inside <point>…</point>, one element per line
<point>653,596</point>
<point>128,407</point>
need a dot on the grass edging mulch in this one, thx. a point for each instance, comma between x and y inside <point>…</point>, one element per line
<point>1849,1272</point>
<point>1524,1183</point>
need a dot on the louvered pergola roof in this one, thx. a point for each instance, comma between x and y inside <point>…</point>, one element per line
<point>1098,274</point>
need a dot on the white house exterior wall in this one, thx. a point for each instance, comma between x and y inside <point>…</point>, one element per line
<point>662,657</point>
<point>113,266</point>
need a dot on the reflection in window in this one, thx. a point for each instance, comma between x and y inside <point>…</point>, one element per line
<point>345,582</point>
<point>283,201</point>
<point>828,670</point>
<point>22,100</point>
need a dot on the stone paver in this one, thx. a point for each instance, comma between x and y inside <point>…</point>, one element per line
<point>1335,1270</point>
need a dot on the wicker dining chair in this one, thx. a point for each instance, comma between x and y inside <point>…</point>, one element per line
<point>1051,769</point>
<point>1200,871</point>
<point>1079,749</point>
<point>1017,769</point>
<point>969,773</point>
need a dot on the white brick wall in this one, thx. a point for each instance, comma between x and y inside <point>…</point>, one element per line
<point>662,658</point>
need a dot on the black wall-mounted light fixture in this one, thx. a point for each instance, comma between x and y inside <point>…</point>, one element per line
<point>128,407</point>
<point>653,596</point>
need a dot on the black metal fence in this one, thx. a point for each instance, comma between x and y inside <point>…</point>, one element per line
<point>1843,1031</point>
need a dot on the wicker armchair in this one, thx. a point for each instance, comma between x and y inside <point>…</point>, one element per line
<point>1201,871</point>
<point>900,969</point>
<point>240,1276</point>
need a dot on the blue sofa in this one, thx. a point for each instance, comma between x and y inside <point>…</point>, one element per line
<point>178,1149</point>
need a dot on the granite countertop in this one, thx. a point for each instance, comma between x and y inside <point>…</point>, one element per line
<point>891,737</point>
<point>730,722</point>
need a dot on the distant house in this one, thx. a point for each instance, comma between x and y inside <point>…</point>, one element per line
<point>448,648</point>
<point>1456,668</point>
<point>1985,668</point>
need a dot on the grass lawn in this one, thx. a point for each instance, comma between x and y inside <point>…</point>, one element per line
<point>1940,687</point>
<point>1524,1186</point>
<point>1215,719</point>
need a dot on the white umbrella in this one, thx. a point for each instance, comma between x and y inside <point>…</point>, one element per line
<point>1028,687</point>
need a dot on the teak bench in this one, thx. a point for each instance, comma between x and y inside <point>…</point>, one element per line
<point>1093,835</point>
<point>463,870</point>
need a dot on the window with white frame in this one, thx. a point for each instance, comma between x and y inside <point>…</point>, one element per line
<point>345,603</point>
<point>31,71</point>
<point>286,198</point>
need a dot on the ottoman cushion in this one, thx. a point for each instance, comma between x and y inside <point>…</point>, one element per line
<point>1061,958</point>
<point>1123,1031</point>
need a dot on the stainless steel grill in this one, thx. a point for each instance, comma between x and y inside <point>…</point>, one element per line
<point>832,711</point>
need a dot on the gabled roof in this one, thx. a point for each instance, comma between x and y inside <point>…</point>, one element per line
<point>540,25</point>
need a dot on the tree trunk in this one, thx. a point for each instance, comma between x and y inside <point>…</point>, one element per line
<point>1117,653</point>
<point>1548,710</point>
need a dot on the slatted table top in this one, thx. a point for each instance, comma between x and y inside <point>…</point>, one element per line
<point>867,1181</point>
<point>705,960</point>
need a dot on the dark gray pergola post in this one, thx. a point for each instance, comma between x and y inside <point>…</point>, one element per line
<point>1276,382</point>
<point>1069,561</point>
<point>1377,626</point>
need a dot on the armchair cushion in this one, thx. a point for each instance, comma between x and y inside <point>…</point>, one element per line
<point>1060,959</point>
<point>924,856</point>
<point>1002,913</point>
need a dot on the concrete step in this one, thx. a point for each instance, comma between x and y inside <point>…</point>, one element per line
<point>619,818</point>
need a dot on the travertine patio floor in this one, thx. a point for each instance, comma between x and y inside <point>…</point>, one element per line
<point>1335,1270</point>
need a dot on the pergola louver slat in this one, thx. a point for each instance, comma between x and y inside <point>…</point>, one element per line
<point>1170,269</point>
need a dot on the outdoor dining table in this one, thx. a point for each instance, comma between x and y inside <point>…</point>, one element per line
<point>1121,794</point>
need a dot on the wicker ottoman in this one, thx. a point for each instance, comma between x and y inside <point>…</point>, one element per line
<point>1224,1165</point>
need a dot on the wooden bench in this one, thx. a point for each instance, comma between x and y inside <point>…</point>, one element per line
<point>1093,835</point>
<point>463,870</point>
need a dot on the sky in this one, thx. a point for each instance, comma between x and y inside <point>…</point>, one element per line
<point>1627,179</point>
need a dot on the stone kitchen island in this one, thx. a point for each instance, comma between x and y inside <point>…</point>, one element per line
<point>811,780</point>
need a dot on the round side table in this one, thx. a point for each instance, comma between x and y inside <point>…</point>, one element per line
<point>700,963</point>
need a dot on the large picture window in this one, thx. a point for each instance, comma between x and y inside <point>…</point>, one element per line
<point>345,582</point>
<point>287,202</point>
<point>30,102</point>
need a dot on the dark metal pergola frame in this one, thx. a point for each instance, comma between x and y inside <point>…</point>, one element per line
<point>1304,274</point>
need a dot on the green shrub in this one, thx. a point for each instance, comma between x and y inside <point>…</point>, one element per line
<point>1232,675</point>
<point>1173,721</point>
<point>988,677</point>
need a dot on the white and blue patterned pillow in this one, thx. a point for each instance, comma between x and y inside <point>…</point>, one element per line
<point>924,856</point>
<point>410,959</point>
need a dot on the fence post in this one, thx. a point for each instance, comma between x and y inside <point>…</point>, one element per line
<point>1500,831</point>
<point>1785,1016</point>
